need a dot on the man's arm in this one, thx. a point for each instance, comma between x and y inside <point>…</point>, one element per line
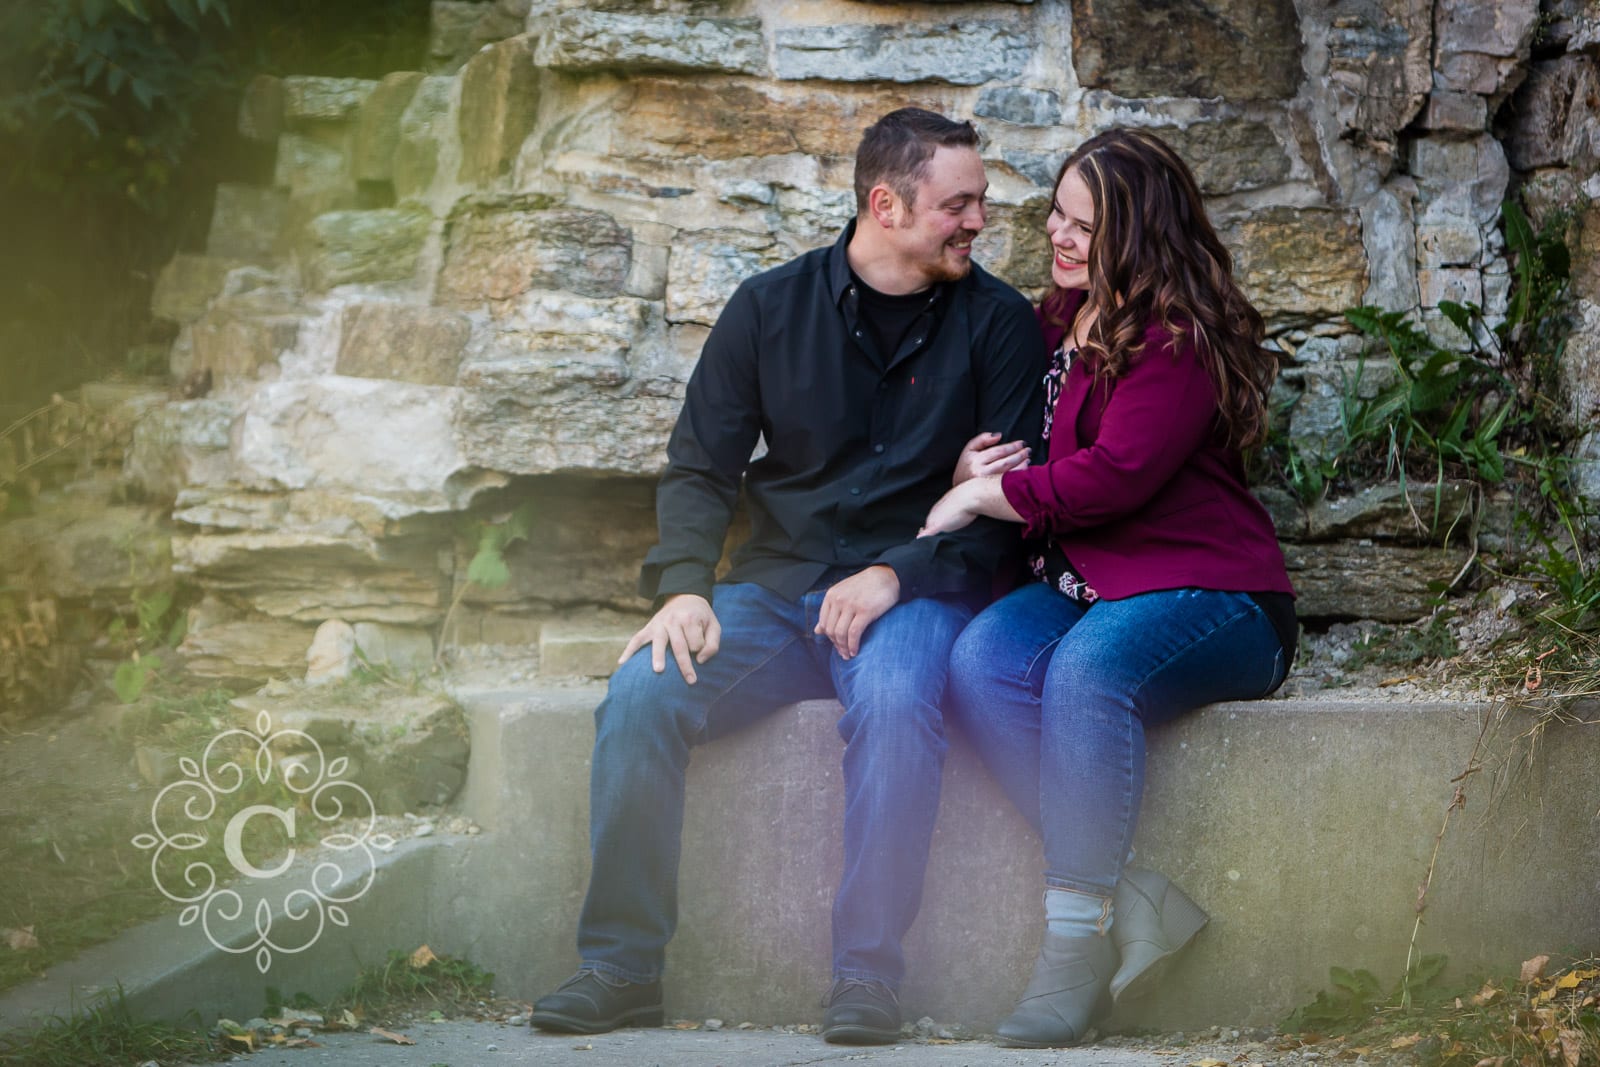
<point>707,454</point>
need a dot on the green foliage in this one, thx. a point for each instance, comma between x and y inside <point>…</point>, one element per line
<point>105,1032</point>
<point>488,567</point>
<point>1356,995</point>
<point>416,979</point>
<point>1403,646</point>
<point>159,622</point>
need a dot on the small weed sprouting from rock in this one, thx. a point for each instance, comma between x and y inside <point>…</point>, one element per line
<point>420,980</point>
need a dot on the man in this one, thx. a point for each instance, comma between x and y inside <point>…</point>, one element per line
<point>865,367</point>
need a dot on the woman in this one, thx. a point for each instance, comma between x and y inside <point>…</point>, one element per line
<point>1159,583</point>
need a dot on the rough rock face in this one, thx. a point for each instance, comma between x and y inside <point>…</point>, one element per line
<point>488,281</point>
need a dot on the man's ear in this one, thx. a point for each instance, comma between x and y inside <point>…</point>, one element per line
<point>885,206</point>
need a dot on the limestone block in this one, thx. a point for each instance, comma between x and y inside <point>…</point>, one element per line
<point>246,221</point>
<point>1585,250</point>
<point>1449,110</point>
<point>1229,156</point>
<point>450,32</point>
<point>261,109</point>
<point>78,545</point>
<point>423,128</point>
<point>1287,514</point>
<point>1423,513</point>
<point>285,558</point>
<point>377,130</point>
<point>332,655</point>
<point>311,163</point>
<point>1586,466</point>
<point>1379,66</point>
<point>1553,191</point>
<point>972,53</point>
<point>497,250</point>
<point>1363,580</point>
<point>1473,173</point>
<point>1299,264</point>
<point>188,284</point>
<point>1014,246</point>
<point>706,266</point>
<point>1504,28</point>
<point>1020,106</point>
<point>1389,235</point>
<point>814,216</point>
<point>239,335</point>
<point>573,385</point>
<point>365,246</point>
<point>1557,115</point>
<point>1463,285</point>
<point>578,40</point>
<point>499,103</point>
<point>1316,421</point>
<point>1580,366</point>
<point>232,647</point>
<point>406,750</point>
<point>583,548</point>
<point>402,342</point>
<point>180,444</point>
<point>1472,72</point>
<point>1238,49</point>
<point>1447,235</point>
<point>384,440</point>
<point>581,649</point>
<point>404,647</point>
<point>311,99</point>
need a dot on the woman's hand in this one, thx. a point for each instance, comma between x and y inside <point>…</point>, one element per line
<point>985,456</point>
<point>967,501</point>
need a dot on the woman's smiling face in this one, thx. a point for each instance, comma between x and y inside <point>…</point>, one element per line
<point>1070,228</point>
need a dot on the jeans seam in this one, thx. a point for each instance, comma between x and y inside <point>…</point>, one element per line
<point>704,724</point>
<point>618,972</point>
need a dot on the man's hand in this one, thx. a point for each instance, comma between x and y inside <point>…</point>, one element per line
<point>687,624</point>
<point>984,455</point>
<point>856,603</point>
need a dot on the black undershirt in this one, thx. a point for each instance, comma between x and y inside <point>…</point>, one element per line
<point>888,316</point>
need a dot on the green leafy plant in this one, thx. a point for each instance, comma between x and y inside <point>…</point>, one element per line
<point>1356,995</point>
<point>409,980</point>
<point>488,568</point>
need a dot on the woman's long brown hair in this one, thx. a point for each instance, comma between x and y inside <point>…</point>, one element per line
<point>1154,257</point>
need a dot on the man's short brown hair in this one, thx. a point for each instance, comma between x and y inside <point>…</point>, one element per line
<point>895,151</point>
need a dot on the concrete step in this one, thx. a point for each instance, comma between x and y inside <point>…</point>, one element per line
<point>1303,826</point>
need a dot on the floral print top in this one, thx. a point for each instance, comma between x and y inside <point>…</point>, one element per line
<point>1047,562</point>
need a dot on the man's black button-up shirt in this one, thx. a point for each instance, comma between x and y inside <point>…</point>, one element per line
<point>859,444</point>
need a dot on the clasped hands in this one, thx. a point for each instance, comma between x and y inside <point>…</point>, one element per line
<point>975,484</point>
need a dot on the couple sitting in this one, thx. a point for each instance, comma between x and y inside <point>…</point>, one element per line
<point>1156,581</point>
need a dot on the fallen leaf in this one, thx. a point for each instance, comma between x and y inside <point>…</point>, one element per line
<point>1401,680</point>
<point>583,1048</point>
<point>21,940</point>
<point>390,1035</point>
<point>1208,1063</point>
<point>1534,968</point>
<point>349,1021</point>
<point>1571,1047</point>
<point>1569,980</point>
<point>684,1024</point>
<point>422,957</point>
<point>1485,995</point>
<point>1405,1042</point>
<point>246,1041</point>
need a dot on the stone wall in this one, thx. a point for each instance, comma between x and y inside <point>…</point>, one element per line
<point>488,281</point>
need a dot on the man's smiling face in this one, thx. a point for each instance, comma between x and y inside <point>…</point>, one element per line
<point>934,234</point>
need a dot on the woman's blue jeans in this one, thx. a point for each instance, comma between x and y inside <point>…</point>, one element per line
<point>1056,697</point>
<point>894,749</point>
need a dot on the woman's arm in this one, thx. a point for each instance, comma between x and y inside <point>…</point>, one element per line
<point>965,502</point>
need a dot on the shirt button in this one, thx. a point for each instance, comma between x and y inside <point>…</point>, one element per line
<point>878,449</point>
<point>918,341</point>
<point>855,492</point>
<point>858,333</point>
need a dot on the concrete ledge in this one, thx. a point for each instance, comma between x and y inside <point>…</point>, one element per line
<point>1303,827</point>
<point>167,970</point>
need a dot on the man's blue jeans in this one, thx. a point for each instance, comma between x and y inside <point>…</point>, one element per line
<point>1056,697</point>
<point>893,757</point>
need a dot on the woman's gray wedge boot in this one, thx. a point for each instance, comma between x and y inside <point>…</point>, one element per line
<point>1152,920</point>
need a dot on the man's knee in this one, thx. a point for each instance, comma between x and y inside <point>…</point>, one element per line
<point>640,702</point>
